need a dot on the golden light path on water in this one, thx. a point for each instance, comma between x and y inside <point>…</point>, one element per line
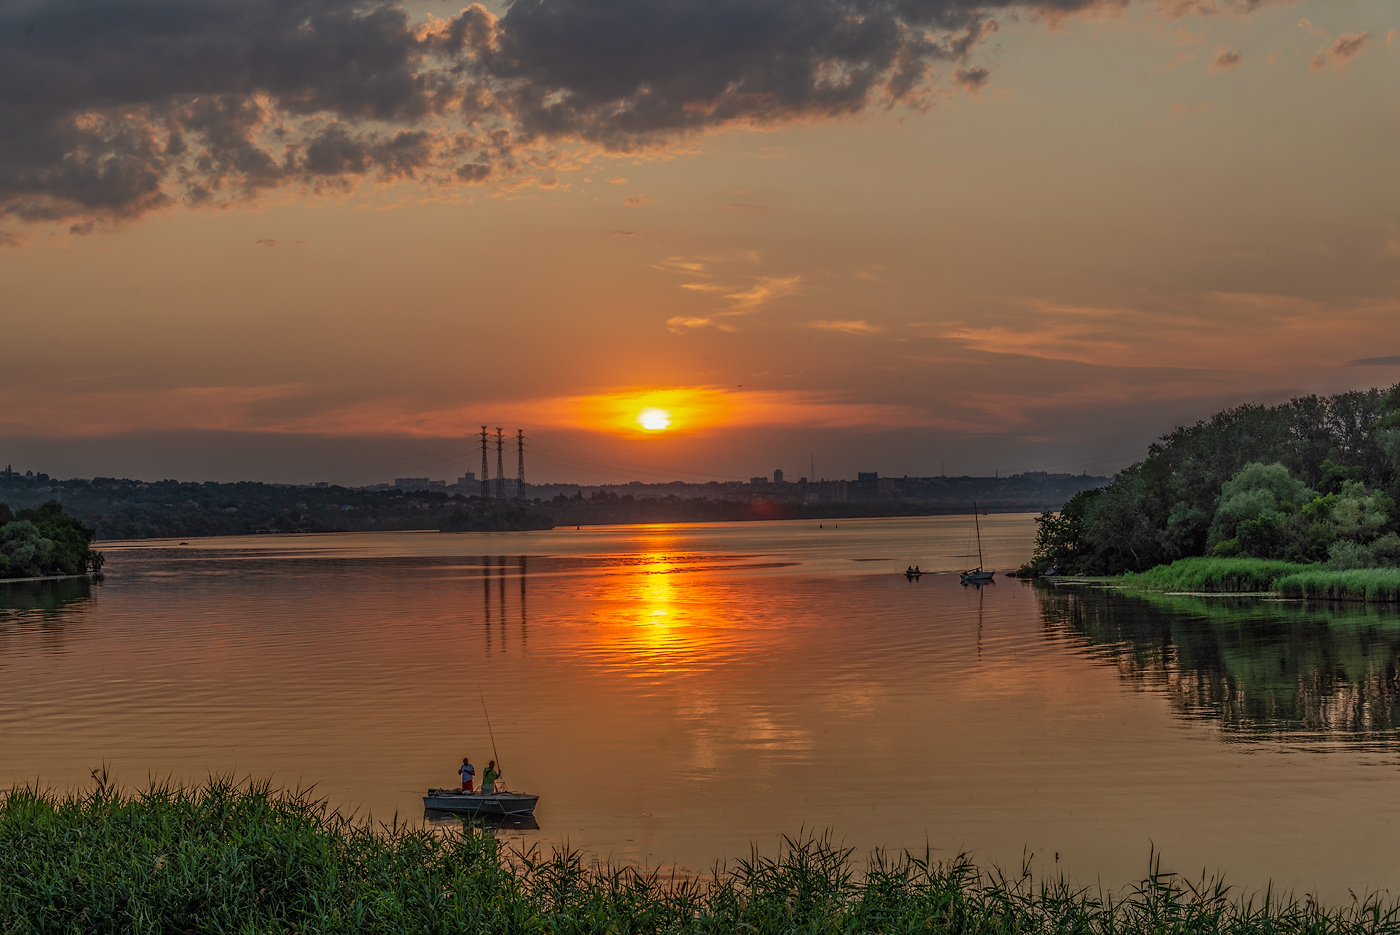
<point>677,694</point>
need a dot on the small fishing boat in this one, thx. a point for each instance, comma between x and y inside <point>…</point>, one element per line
<point>978,575</point>
<point>486,804</point>
<point>913,574</point>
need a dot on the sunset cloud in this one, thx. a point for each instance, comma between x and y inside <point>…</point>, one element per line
<point>297,409</point>
<point>1227,59</point>
<point>1341,52</point>
<point>1205,333</point>
<point>847,327</point>
<point>1181,108</point>
<point>111,111</point>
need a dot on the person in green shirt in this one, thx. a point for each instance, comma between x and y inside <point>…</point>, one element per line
<point>488,778</point>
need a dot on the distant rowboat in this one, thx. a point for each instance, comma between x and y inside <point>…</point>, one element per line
<point>480,803</point>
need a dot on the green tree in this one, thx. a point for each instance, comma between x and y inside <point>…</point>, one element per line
<point>1255,509</point>
<point>46,541</point>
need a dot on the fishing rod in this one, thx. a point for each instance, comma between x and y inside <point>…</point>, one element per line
<point>489,731</point>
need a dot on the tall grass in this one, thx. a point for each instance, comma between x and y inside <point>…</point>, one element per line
<point>245,858</point>
<point>1359,584</point>
<point>1214,574</point>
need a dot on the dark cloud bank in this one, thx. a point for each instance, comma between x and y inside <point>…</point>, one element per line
<point>113,108</point>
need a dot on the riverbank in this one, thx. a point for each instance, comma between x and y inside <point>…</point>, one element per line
<point>246,857</point>
<point>1257,575</point>
<point>89,576</point>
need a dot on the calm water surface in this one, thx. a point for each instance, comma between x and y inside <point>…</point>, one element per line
<point>677,694</point>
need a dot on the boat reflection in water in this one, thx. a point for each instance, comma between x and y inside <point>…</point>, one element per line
<point>492,822</point>
<point>1260,668</point>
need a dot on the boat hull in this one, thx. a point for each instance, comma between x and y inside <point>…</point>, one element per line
<point>480,803</point>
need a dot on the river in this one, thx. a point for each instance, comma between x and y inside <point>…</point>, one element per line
<point>680,694</point>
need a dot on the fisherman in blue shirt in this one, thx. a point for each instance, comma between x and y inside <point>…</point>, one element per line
<point>468,772</point>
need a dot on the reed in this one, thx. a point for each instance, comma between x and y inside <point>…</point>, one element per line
<point>1215,574</point>
<point>228,857</point>
<point>1360,584</point>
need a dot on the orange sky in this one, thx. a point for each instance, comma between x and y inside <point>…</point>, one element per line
<point>1033,245</point>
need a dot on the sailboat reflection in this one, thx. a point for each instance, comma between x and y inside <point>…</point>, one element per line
<point>1256,667</point>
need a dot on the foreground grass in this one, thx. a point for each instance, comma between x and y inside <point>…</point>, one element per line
<point>1215,574</point>
<point>246,858</point>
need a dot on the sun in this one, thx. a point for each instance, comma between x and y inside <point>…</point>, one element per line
<point>653,419</point>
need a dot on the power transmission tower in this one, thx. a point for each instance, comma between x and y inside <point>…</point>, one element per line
<point>520,464</point>
<point>485,470</point>
<point>500,466</point>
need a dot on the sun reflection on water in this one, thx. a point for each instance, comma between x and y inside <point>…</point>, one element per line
<point>662,614</point>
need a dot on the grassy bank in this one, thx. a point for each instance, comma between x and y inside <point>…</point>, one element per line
<point>226,858</point>
<point>1214,574</point>
<point>1378,585</point>
<point>1363,584</point>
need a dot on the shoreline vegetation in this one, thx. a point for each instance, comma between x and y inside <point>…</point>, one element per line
<point>229,856</point>
<point>1297,500</point>
<point>118,508</point>
<point>44,543</point>
<point>1261,576</point>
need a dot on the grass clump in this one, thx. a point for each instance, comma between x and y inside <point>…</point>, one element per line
<point>237,858</point>
<point>1377,585</point>
<point>1215,574</point>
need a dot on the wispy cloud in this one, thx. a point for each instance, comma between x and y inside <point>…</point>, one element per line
<point>766,289</point>
<point>680,324</point>
<point>972,80</point>
<point>859,326</point>
<point>1200,332</point>
<point>1227,59</point>
<point>742,298</point>
<point>1340,53</point>
<point>636,201</point>
<point>1181,108</point>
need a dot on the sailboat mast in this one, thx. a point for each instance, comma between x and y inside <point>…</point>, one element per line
<point>978,525</point>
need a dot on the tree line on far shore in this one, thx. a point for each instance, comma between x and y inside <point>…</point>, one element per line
<point>45,541</point>
<point>1314,480</point>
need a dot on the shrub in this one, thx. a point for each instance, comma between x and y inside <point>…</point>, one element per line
<point>1344,555</point>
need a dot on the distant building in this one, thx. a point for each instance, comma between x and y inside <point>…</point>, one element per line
<point>778,476</point>
<point>412,483</point>
<point>867,476</point>
<point>467,479</point>
<point>758,481</point>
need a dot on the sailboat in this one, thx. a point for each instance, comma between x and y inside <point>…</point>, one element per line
<point>977,575</point>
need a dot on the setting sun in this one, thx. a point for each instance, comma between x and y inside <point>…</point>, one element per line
<point>654,420</point>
